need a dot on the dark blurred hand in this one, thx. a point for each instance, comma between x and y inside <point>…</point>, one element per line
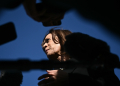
<point>56,78</point>
<point>47,14</point>
<point>52,16</point>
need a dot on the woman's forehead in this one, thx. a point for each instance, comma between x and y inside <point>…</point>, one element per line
<point>48,36</point>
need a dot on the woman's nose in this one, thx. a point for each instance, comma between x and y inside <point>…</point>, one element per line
<point>45,45</point>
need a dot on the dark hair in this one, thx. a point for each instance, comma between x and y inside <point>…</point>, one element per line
<point>61,34</point>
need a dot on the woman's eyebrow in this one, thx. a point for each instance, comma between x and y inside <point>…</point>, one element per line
<point>46,38</point>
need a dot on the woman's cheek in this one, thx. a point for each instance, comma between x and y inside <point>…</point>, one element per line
<point>58,49</point>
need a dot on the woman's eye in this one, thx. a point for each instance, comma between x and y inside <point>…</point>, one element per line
<point>47,40</point>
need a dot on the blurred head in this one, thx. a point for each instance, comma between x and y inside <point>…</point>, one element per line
<point>53,43</point>
<point>86,48</point>
<point>83,46</point>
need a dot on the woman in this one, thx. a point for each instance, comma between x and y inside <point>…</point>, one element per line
<point>53,46</point>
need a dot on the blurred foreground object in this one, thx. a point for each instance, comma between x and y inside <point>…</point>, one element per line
<point>83,47</point>
<point>10,4</point>
<point>26,65</point>
<point>48,14</point>
<point>11,78</point>
<point>105,12</point>
<point>52,15</point>
<point>7,33</point>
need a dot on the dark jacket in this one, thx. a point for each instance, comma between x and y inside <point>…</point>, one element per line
<point>93,76</point>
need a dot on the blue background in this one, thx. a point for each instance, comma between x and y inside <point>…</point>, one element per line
<point>31,33</point>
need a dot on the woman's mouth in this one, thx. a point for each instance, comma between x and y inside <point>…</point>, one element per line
<point>46,50</point>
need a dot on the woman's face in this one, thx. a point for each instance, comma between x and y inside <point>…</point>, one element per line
<point>51,49</point>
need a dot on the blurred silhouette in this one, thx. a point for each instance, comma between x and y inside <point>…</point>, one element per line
<point>52,15</point>
<point>26,64</point>
<point>96,71</point>
<point>47,14</point>
<point>104,12</point>
<point>85,48</point>
<point>11,78</point>
<point>7,33</point>
<point>96,57</point>
<point>10,4</point>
